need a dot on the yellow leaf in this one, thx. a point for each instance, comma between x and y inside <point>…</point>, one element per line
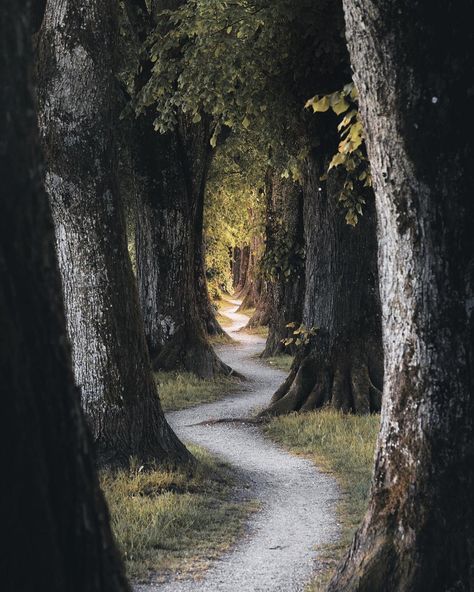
<point>246,122</point>
<point>340,106</point>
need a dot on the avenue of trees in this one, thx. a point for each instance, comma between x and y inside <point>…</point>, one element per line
<point>310,157</point>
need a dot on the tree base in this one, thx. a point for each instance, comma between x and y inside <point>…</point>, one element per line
<point>349,378</point>
<point>137,431</point>
<point>194,355</point>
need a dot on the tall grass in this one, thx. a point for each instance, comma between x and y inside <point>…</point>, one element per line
<point>344,445</point>
<point>172,521</point>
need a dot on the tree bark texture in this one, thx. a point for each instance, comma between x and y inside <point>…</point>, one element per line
<point>59,537</point>
<point>410,61</point>
<point>342,365</point>
<point>284,246</point>
<point>78,111</point>
<point>166,243</point>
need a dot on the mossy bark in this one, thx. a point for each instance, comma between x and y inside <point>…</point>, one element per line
<point>418,533</point>
<point>59,536</point>
<point>79,108</point>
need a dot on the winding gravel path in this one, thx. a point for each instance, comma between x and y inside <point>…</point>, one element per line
<point>277,553</point>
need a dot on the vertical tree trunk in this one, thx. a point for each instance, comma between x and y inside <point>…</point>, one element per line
<point>243,269</point>
<point>341,365</point>
<point>59,536</point>
<point>235,268</point>
<point>166,254</point>
<point>284,254</point>
<point>79,109</point>
<point>410,61</point>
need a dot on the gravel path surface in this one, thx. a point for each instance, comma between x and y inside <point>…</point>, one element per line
<point>277,553</point>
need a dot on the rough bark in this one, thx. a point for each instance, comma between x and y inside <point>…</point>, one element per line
<point>59,537</point>
<point>342,364</point>
<point>166,239</point>
<point>284,245</point>
<point>410,61</point>
<point>78,111</point>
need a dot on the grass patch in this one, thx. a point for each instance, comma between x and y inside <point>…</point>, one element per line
<point>223,320</point>
<point>261,330</point>
<point>343,445</point>
<point>282,361</point>
<point>180,390</point>
<point>221,339</point>
<point>169,521</point>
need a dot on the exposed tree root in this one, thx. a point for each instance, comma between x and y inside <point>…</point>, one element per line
<point>348,380</point>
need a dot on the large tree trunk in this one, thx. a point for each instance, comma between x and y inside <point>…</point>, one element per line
<point>59,537</point>
<point>206,310</point>
<point>341,365</point>
<point>252,286</point>
<point>284,247</point>
<point>166,242</point>
<point>78,113</point>
<point>418,533</point>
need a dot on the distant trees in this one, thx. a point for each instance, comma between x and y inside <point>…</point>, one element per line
<point>79,110</point>
<point>418,533</point>
<point>59,537</point>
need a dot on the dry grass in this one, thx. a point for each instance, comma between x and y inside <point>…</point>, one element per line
<point>282,362</point>
<point>343,445</point>
<point>180,390</point>
<point>260,330</point>
<point>169,522</point>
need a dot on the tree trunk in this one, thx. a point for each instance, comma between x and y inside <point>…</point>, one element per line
<point>206,310</point>
<point>59,537</point>
<point>284,254</point>
<point>79,108</point>
<point>243,269</point>
<point>235,267</point>
<point>252,286</point>
<point>166,254</point>
<point>341,365</point>
<point>418,533</point>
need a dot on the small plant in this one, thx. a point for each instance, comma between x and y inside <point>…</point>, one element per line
<point>301,336</point>
<point>351,155</point>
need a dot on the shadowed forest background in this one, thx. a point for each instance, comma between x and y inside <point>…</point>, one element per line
<point>237,284</point>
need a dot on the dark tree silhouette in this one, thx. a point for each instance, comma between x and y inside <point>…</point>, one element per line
<point>53,512</point>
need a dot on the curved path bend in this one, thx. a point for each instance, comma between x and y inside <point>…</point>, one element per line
<point>277,552</point>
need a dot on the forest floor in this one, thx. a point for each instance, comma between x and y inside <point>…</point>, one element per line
<point>297,502</point>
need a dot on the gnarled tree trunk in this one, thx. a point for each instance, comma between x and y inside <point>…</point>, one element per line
<point>342,363</point>
<point>284,246</point>
<point>78,111</point>
<point>410,61</point>
<point>59,537</point>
